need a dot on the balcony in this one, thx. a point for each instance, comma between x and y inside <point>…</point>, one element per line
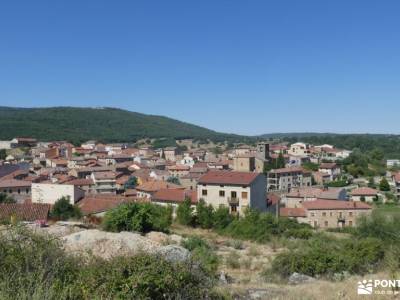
<point>233,201</point>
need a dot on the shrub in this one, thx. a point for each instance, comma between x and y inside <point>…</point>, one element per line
<point>4,198</point>
<point>204,214</point>
<point>141,217</point>
<point>233,260</point>
<point>143,277</point>
<point>64,210</point>
<point>260,227</point>
<point>36,267</point>
<point>378,226</point>
<point>194,242</point>
<point>222,217</point>
<point>326,256</point>
<point>184,212</point>
<point>202,253</point>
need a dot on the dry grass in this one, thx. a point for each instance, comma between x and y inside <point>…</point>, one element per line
<point>253,258</point>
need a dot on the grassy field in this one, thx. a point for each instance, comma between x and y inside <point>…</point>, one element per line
<point>388,210</point>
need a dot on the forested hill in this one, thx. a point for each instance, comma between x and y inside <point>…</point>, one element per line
<point>103,124</point>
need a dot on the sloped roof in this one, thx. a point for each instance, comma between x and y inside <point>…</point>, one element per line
<point>292,212</point>
<point>174,195</point>
<point>24,212</point>
<point>335,204</point>
<point>92,205</point>
<point>228,177</point>
<point>364,191</point>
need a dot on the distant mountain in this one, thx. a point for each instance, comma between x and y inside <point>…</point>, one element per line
<point>104,124</point>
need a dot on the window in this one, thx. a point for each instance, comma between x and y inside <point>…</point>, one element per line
<point>244,195</point>
<point>326,223</point>
<point>312,214</point>
<point>222,193</point>
<point>331,214</point>
<point>233,208</point>
<point>340,214</point>
<point>204,192</point>
<point>19,191</point>
<point>324,214</point>
<point>350,214</point>
<point>350,223</point>
<point>233,195</point>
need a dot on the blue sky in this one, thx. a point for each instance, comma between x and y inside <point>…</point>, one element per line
<point>247,67</point>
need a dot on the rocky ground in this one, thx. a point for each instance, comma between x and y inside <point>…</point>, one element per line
<point>241,263</point>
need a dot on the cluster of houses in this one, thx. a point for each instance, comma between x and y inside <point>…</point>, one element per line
<point>98,177</point>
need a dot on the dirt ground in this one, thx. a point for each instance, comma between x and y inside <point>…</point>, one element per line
<point>252,258</point>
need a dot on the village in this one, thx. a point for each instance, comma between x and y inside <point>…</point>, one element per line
<point>97,177</point>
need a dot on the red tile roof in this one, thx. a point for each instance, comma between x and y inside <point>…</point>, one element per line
<point>292,212</point>
<point>24,212</point>
<point>364,191</point>
<point>289,170</point>
<point>14,183</point>
<point>397,177</point>
<point>228,177</point>
<point>328,166</point>
<point>80,181</point>
<point>155,185</point>
<point>92,205</point>
<point>334,204</point>
<point>174,196</point>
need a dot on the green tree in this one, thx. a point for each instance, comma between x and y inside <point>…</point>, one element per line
<point>184,212</point>
<point>4,198</point>
<point>3,154</point>
<point>174,180</point>
<point>141,217</point>
<point>131,183</point>
<point>384,185</point>
<point>204,214</point>
<point>371,182</point>
<point>280,161</point>
<point>222,217</point>
<point>64,210</point>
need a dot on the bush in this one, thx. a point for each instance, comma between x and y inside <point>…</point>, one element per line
<point>143,277</point>
<point>204,215</point>
<point>4,198</point>
<point>202,253</point>
<point>194,242</point>
<point>64,210</point>
<point>378,226</point>
<point>326,256</point>
<point>35,267</point>
<point>141,217</point>
<point>260,227</point>
<point>184,213</point>
<point>222,217</point>
<point>233,260</point>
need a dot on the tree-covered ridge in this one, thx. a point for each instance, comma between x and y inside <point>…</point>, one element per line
<point>103,124</point>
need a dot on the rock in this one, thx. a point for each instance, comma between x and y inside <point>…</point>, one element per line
<point>108,245</point>
<point>258,294</point>
<point>222,278</point>
<point>175,239</point>
<point>297,278</point>
<point>174,253</point>
<point>158,237</point>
